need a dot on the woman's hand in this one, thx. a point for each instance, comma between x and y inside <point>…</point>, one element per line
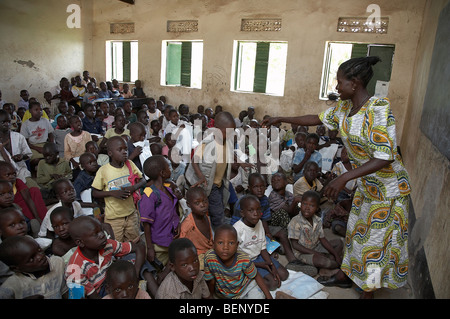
<point>268,122</point>
<point>333,188</point>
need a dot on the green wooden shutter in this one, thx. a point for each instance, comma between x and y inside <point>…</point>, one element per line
<point>261,65</point>
<point>382,70</point>
<point>186,53</point>
<point>173,64</point>
<point>359,50</point>
<point>126,51</point>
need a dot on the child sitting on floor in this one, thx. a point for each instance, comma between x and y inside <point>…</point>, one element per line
<point>136,144</point>
<point>84,180</point>
<point>185,281</point>
<point>122,282</point>
<point>91,124</point>
<point>229,272</point>
<point>29,199</point>
<point>308,238</point>
<point>118,130</point>
<point>65,194</point>
<point>36,275</point>
<point>257,187</point>
<point>252,240</point>
<point>92,147</point>
<point>63,245</point>
<point>95,253</point>
<point>51,169</point>
<point>309,180</point>
<point>283,204</point>
<point>37,130</point>
<point>61,130</point>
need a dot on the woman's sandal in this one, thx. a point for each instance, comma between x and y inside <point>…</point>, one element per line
<point>333,281</point>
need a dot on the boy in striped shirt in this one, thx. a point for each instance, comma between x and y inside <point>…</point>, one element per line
<point>229,272</point>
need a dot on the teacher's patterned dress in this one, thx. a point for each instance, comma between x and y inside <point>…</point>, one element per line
<point>376,247</point>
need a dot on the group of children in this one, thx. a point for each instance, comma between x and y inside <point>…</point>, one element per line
<point>156,202</point>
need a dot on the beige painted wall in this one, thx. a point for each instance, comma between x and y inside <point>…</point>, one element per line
<point>428,168</point>
<point>306,25</point>
<point>37,47</point>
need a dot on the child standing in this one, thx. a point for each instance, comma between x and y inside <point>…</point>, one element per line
<point>112,182</point>
<point>197,226</point>
<point>35,273</point>
<point>209,167</point>
<point>252,240</point>
<point>158,210</point>
<point>308,239</point>
<point>185,281</point>
<point>229,272</point>
<point>75,141</point>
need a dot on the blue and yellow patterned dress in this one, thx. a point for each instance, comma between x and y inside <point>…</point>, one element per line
<point>376,247</point>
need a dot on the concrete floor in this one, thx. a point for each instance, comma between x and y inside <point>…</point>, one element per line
<point>353,293</point>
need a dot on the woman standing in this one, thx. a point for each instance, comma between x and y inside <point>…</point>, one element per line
<point>376,248</point>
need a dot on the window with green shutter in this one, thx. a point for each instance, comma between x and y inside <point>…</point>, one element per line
<point>122,60</point>
<point>260,67</point>
<point>182,63</point>
<point>338,52</point>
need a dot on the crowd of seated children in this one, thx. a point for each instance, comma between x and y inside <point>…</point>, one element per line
<point>78,172</point>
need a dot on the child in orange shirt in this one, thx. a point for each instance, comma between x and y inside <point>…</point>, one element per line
<point>197,226</point>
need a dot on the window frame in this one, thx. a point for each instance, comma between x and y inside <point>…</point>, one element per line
<point>130,65</point>
<point>324,81</point>
<point>261,66</point>
<point>186,59</point>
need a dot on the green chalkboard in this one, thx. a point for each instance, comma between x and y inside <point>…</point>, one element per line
<point>436,108</point>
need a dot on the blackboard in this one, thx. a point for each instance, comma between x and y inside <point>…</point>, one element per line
<point>435,120</point>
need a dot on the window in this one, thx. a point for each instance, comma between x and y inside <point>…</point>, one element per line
<point>182,63</point>
<point>338,52</point>
<point>259,67</point>
<point>122,60</point>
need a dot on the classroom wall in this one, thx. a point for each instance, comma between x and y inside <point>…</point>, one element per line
<point>429,171</point>
<point>37,47</point>
<point>306,25</point>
